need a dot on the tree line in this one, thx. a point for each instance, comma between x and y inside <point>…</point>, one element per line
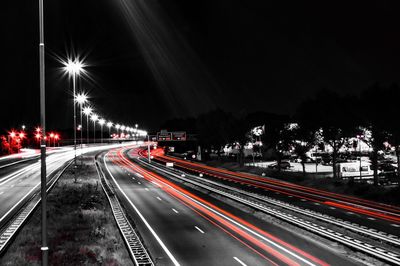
<point>327,118</point>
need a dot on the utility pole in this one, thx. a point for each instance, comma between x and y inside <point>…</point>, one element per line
<point>44,248</point>
<point>148,148</point>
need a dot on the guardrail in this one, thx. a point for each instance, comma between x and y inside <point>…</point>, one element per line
<point>254,202</point>
<point>136,249</point>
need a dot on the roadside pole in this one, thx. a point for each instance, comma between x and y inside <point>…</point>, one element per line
<point>44,248</point>
<point>148,148</point>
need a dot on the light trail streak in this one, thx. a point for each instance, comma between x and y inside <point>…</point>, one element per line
<point>237,225</point>
<point>362,206</point>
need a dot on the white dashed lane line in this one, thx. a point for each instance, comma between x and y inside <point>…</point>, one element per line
<point>139,183</point>
<point>371,218</point>
<point>395,225</point>
<point>159,198</point>
<point>146,189</point>
<point>198,229</point>
<point>139,175</point>
<point>240,262</point>
<point>175,210</point>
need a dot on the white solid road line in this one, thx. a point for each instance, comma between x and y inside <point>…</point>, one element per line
<point>142,217</point>
<point>241,262</point>
<point>266,239</point>
<point>201,231</point>
<point>175,210</point>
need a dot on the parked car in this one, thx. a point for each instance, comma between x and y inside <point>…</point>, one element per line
<point>284,165</point>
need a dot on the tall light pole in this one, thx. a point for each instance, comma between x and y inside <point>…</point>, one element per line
<point>44,248</point>
<point>101,122</point>
<point>148,148</point>
<point>81,98</point>
<point>94,118</point>
<point>87,111</point>
<point>73,68</point>
<point>118,126</point>
<point>109,125</point>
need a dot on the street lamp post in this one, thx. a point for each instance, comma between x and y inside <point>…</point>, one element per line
<point>87,111</point>
<point>81,99</point>
<point>148,148</point>
<point>73,68</point>
<point>94,118</point>
<point>44,248</point>
<point>118,126</point>
<point>101,122</point>
<point>109,125</point>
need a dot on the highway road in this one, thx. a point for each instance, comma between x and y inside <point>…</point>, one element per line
<point>381,217</point>
<point>20,177</point>
<point>181,226</point>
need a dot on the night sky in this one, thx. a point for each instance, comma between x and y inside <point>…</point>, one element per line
<point>151,60</point>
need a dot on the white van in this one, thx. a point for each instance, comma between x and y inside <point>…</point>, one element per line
<point>352,169</point>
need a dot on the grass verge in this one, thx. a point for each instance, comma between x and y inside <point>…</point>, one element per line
<point>81,226</point>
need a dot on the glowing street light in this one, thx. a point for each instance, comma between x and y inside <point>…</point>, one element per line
<point>74,68</point>
<point>101,122</point>
<point>87,111</point>
<point>94,118</point>
<point>109,125</point>
<point>118,126</point>
<point>81,99</point>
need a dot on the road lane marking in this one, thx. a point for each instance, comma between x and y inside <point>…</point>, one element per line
<point>198,229</point>
<point>159,198</point>
<point>1,192</point>
<point>332,208</point>
<point>316,203</point>
<point>139,175</point>
<point>174,261</point>
<point>133,178</point>
<point>155,183</point>
<point>370,218</point>
<point>175,210</point>
<point>395,225</point>
<point>303,200</point>
<point>241,262</point>
<point>139,183</point>
<point>146,189</point>
<point>350,213</point>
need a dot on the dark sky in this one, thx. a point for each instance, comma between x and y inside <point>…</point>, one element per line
<point>152,60</point>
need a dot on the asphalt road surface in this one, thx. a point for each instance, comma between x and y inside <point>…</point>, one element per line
<point>181,227</point>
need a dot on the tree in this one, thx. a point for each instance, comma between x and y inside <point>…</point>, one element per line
<point>336,116</point>
<point>303,139</point>
<point>276,136</point>
<point>373,103</point>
